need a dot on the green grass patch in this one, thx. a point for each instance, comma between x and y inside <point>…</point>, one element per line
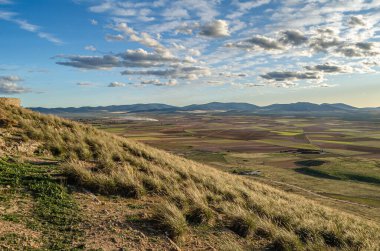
<point>55,213</point>
<point>359,170</point>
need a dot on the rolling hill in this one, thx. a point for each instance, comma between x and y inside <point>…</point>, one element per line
<point>111,108</point>
<point>221,106</point>
<point>300,107</point>
<point>66,185</point>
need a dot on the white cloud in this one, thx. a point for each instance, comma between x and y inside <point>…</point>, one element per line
<point>93,22</point>
<point>10,85</point>
<point>111,38</point>
<point>181,72</point>
<point>217,28</point>
<point>91,62</point>
<point>25,25</point>
<point>257,42</point>
<point>90,48</point>
<point>178,39</point>
<point>85,84</point>
<point>175,13</point>
<point>117,84</point>
<point>171,82</point>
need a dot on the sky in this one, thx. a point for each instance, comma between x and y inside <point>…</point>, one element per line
<point>107,52</point>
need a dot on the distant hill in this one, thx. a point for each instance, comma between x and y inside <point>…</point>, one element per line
<point>308,107</point>
<point>340,106</point>
<point>221,106</point>
<point>300,107</point>
<point>111,108</point>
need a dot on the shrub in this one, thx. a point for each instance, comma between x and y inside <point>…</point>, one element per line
<point>242,223</point>
<point>286,241</point>
<point>332,238</point>
<point>171,220</point>
<point>199,215</point>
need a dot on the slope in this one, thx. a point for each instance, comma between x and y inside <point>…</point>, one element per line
<point>184,197</point>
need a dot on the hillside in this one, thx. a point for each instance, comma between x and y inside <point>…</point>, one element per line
<point>66,185</point>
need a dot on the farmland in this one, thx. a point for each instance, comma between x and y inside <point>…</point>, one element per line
<point>334,161</point>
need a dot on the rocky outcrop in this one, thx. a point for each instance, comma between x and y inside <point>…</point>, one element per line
<point>11,101</point>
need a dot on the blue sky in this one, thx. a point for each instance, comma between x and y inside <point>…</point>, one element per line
<point>101,52</point>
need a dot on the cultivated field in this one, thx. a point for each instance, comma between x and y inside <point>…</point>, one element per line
<point>335,161</point>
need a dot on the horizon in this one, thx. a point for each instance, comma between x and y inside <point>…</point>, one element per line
<point>231,102</point>
<point>75,53</point>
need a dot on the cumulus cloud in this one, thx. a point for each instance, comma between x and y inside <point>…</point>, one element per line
<point>10,85</point>
<point>93,22</point>
<point>324,42</point>
<point>90,62</point>
<point>356,21</point>
<point>217,28</point>
<point>171,82</point>
<point>187,28</point>
<point>175,13</point>
<point>245,6</point>
<point>90,48</point>
<point>215,82</point>
<point>111,38</point>
<point>183,72</point>
<point>361,49</point>
<point>293,37</point>
<point>117,84</point>
<point>329,68</point>
<point>286,31</point>
<point>85,84</point>
<point>142,57</point>
<point>143,37</point>
<point>233,75</point>
<point>123,27</point>
<point>258,42</point>
<point>291,75</point>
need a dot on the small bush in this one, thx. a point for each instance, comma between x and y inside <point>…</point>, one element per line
<point>282,221</point>
<point>55,149</point>
<point>306,234</point>
<point>243,224</point>
<point>153,185</point>
<point>200,215</point>
<point>332,239</point>
<point>286,241</point>
<point>171,220</point>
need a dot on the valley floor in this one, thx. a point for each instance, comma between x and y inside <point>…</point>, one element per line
<point>342,170</point>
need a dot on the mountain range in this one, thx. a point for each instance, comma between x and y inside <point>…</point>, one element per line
<point>299,107</point>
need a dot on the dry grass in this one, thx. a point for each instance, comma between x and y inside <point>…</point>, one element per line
<point>191,193</point>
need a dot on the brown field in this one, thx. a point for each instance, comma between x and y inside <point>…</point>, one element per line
<point>270,144</point>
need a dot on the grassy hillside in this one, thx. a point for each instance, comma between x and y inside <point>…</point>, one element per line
<point>185,198</point>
